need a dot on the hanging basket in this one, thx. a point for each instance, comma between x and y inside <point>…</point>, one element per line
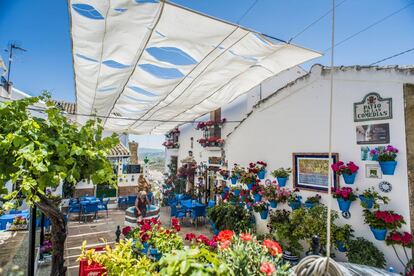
<point>233,180</point>
<point>379,234</point>
<point>261,174</point>
<point>273,203</point>
<point>295,204</point>
<point>368,202</point>
<point>263,214</point>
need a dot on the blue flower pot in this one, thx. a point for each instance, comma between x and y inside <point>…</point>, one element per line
<point>281,181</point>
<point>349,178</point>
<point>341,246</point>
<point>295,204</point>
<point>261,174</point>
<point>223,195</point>
<point>368,201</point>
<point>344,205</point>
<point>145,250</point>
<point>226,189</point>
<point>236,192</point>
<point>379,234</point>
<point>233,180</point>
<point>309,205</point>
<point>263,214</point>
<point>375,157</point>
<point>273,203</point>
<point>154,253</point>
<point>388,167</point>
<point>250,186</point>
<point>257,197</point>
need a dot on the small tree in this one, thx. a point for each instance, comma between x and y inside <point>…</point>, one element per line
<point>39,153</point>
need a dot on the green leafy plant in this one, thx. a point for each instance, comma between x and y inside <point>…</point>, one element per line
<point>364,252</point>
<point>247,178</point>
<point>282,228</point>
<point>281,172</point>
<point>166,241</point>
<point>343,234</point>
<point>313,199</point>
<point>187,263</point>
<point>370,193</point>
<point>232,217</point>
<point>41,152</point>
<point>260,206</point>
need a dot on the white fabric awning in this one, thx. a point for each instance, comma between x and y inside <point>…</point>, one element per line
<point>149,65</point>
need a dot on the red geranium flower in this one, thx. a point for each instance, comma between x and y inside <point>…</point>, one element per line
<point>267,268</point>
<point>190,236</point>
<point>246,237</point>
<point>225,244</point>
<point>126,230</point>
<point>225,235</point>
<point>273,247</point>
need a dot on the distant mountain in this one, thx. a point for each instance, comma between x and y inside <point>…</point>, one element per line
<point>142,152</point>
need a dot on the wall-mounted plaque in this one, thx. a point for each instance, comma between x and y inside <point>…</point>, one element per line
<point>373,107</point>
<point>373,134</point>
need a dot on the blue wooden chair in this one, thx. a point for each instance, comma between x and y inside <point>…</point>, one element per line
<point>103,206</point>
<point>176,212</point>
<point>74,208</point>
<point>197,212</point>
<point>89,209</point>
<point>131,200</point>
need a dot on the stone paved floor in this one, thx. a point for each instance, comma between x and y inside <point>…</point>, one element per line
<point>105,228</point>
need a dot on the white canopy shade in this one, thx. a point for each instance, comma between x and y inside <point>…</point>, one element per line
<point>148,65</point>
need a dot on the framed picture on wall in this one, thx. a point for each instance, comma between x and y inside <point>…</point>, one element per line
<point>373,134</point>
<point>373,171</point>
<point>310,171</point>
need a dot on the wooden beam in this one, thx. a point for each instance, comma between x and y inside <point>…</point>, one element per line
<point>409,131</point>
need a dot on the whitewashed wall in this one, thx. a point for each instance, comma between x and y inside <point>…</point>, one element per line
<point>296,120</point>
<point>235,111</point>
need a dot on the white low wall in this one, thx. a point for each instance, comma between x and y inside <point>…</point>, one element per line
<point>296,120</point>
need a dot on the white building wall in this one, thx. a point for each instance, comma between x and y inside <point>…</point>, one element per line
<point>235,111</point>
<point>296,120</point>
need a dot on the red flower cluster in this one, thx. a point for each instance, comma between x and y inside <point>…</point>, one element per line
<point>405,239</point>
<point>341,168</point>
<point>207,124</point>
<point>273,247</point>
<point>146,226</point>
<point>211,142</point>
<point>246,237</point>
<point>201,239</point>
<point>345,193</point>
<point>267,268</point>
<point>225,235</point>
<point>389,217</point>
<point>176,224</point>
<point>126,230</point>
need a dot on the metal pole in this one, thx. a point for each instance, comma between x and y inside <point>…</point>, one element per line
<point>10,63</point>
<point>42,232</point>
<point>32,242</point>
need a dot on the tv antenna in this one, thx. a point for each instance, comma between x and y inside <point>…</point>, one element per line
<point>12,46</point>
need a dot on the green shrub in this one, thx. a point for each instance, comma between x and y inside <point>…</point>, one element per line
<point>231,217</point>
<point>364,252</point>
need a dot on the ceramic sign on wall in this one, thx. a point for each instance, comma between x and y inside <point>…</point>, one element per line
<point>373,134</point>
<point>373,107</point>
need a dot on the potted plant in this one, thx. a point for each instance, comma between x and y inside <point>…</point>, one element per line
<point>364,252</point>
<point>225,174</point>
<point>281,175</point>
<point>270,192</point>
<point>369,198</point>
<point>262,208</point>
<point>342,237</point>
<point>232,217</point>
<point>233,178</point>
<point>347,171</point>
<point>261,169</point>
<point>344,196</point>
<point>282,195</point>
<point>386,159</point>
<point>238,170</point>
<point>236,190</point>
<point>249,179</point>
<point>382,221</point>
<point>257,191</point>
<point>312,201</point>
<point>295,200</point>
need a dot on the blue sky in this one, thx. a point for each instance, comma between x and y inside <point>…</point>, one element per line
<point>42,27</point>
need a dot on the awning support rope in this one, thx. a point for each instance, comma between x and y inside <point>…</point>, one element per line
<point>319,265</point>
